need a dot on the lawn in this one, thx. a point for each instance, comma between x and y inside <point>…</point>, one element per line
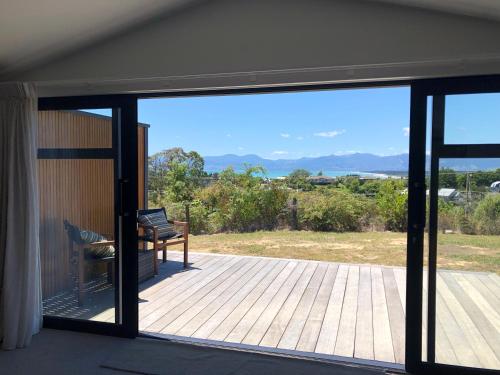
<point>456,251</point>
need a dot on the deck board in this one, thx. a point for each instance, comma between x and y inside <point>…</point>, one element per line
<point>195,294</point>
<point>284,282</point>
<point>396,314</point>
<point>382,338</point>
<point>221,320</point>
<point>363,345</point>
<point>329,330</point>
<point>226,286</point>
<point>487,330</point>
<point>269,312</point>
<point>249,280</point>
<point>344,346</point>
<point>478,344</point>
<point>313,307</point>
<point>310,333</point>
<point>293,331</point>
<point>283,319</point>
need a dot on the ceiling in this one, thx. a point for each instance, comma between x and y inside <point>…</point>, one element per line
<point>488,9</point>
<point>32,31</point>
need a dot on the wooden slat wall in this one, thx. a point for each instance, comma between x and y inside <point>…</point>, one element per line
<point>73,129</point>
<point>80,191</point>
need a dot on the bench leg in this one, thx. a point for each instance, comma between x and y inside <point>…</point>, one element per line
<point>81,277</point>
<point>155,257</point>
<point>109,274</point>
<point>186,253</point>
<point>164,251</point>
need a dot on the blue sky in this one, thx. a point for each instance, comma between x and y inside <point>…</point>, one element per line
<point>282,126</point>
<point>309,124</point>
<point>472,119</point>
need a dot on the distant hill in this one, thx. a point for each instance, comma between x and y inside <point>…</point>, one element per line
<point>360,162</point>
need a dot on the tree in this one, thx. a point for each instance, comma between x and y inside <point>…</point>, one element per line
<point>175,174</point>
<point>298,179</point>
<point>448,178</point>
<point>392,203</point>
<point>487,215</point>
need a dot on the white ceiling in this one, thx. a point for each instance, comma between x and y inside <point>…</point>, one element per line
<point>489,9</point>
<point>32,31</point>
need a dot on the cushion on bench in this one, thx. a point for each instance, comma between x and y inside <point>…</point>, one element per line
<point>157,219</point>
<point>83,237</point>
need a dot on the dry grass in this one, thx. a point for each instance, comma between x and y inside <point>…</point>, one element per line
<point>456,251</point>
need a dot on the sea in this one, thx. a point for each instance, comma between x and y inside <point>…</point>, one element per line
<point>283,173</point>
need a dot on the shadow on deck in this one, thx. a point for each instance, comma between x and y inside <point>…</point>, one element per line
<point>320,309</point>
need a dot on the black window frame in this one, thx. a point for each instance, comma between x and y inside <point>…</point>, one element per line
<point>420,90</point>
<point>125,153</point>
<point>437,89</point>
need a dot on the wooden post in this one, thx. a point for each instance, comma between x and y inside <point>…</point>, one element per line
<point>186,207</point>
<point>186,246</point>
<point>155,251</point>
<point>295,221</point>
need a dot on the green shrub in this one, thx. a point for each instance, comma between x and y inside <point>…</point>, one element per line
<point>243,203</point>
<point>392,204</point>
<point>337,211</point>
<point>486,217</point>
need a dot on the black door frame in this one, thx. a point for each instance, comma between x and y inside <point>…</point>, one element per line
<point>125,153</point>
<point>437,89</point>
<point>420,90</point>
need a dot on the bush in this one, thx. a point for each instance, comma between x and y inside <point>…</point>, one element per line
<point>392,204</point>
<point>242,203</point>
<point>337,211</point>
<point>486,217</point>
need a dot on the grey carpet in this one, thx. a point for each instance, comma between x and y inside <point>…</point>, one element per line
<point>154,357</point>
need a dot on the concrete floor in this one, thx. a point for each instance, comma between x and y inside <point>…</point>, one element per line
<point>62,352</point>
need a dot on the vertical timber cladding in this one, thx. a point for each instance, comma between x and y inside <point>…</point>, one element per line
<point>78,190</point>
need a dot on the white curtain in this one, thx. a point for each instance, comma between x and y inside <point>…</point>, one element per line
<point>20,283</point>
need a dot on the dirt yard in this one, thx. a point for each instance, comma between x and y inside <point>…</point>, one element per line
<point>455,251</point>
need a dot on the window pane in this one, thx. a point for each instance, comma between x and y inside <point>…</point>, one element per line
<point>468,265</point>
<point>472,119</point>
<point>77,211</point>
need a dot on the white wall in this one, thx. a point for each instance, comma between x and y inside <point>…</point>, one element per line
<point>221,42</point>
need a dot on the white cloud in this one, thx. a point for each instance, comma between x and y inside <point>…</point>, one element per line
<point>300,138</point>
<point>406,131</point>
<point>348,152</point>
<point>228,135</point>
<point>285,135</point>
<point>241,148</point>
<point>280,152</point>
<point>330,134</point>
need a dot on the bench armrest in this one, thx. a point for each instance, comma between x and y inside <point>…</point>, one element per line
<point>183,224</point>
<point>100,243</point>
<point>150,227</point>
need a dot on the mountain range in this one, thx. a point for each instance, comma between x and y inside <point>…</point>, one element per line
<point>359,162</point>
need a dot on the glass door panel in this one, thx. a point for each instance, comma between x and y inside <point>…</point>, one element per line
<point>468,263</point>
<point>77,174</point>
<point>462,289</point>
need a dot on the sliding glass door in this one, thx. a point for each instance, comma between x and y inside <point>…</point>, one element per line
<point>456,285</point>
<point>86,164</point>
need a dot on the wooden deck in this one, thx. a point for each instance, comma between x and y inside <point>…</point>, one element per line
<point>319,308</point>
